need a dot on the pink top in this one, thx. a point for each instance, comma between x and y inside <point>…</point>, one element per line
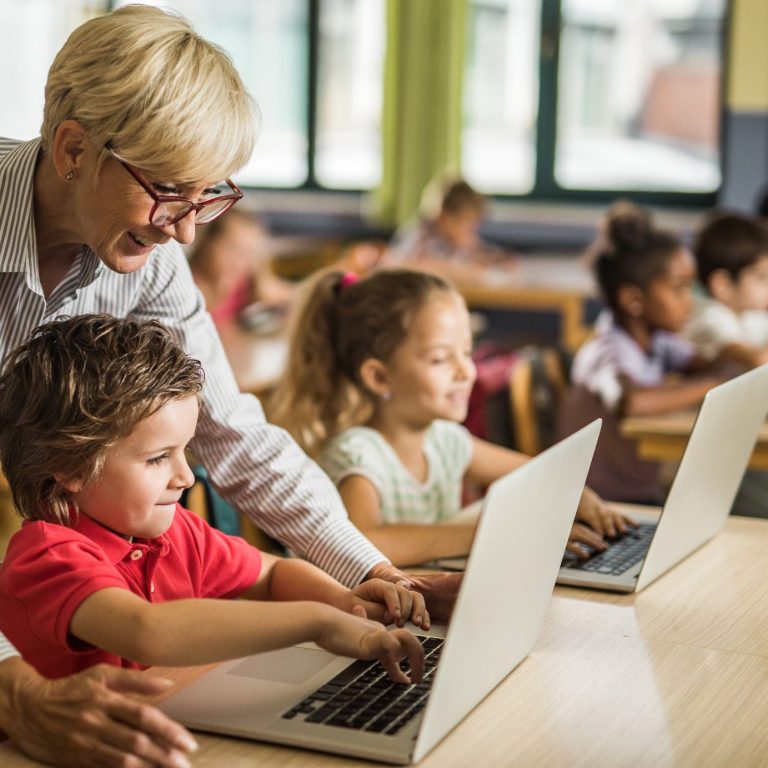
<point>232,304</point>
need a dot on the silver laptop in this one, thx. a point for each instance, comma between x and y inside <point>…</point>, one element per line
<point>306,697</point>
<point>701,496</point>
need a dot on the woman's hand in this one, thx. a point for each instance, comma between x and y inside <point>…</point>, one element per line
<point>388,603</point>
<point>87,719</point>
<point>355,636</point>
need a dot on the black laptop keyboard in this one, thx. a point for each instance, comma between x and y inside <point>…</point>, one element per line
<point>620,556</point>
<point>363,697</point>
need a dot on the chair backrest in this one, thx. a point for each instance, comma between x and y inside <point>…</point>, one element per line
<point>537,381</point>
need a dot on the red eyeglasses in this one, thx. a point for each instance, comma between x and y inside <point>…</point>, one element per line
<point>169,209</point>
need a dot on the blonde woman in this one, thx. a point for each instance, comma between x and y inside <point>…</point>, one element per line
<point>144,123</point>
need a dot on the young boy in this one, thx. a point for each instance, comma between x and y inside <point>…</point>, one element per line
<point>732,323</point>
<point>95,415</point>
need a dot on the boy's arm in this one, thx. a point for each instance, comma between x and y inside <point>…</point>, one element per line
<point>284,579</point>
<point>403,543</point>
<point>190,632</point>
<point>743,354</point>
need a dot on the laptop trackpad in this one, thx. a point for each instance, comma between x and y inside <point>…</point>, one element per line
<point>288,665</point>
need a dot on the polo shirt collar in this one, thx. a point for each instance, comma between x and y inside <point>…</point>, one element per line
<point>115,547</point>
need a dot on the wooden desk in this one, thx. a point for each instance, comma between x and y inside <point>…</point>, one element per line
<point>257,361</point>
<point>560,284</point>
<point>663,438</point>
<point>675,676</point>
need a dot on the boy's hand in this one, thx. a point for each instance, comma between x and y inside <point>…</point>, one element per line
<point>439,590</point>
<point>352,635</point>
<point>388,603</point>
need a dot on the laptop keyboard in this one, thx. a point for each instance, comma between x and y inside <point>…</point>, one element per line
<point>363,697</point>
<point>620,556</point>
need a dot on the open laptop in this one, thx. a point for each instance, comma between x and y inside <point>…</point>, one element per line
<point>306,697</point>
<point>701,496</point>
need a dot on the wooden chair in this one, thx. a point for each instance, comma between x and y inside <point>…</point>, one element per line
<point>537,383</point>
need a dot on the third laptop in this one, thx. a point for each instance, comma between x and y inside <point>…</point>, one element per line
<point>701,496</point>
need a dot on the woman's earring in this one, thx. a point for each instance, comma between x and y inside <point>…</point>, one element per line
<point>70,176</point>
<point>385,395</point>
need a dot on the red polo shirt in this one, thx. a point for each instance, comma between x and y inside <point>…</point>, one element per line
<point>50,569</point>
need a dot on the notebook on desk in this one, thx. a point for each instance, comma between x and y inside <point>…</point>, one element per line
<point>303,696</point>
<point>700,498</point>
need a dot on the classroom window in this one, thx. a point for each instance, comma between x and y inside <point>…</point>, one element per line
<point>32,33</point>
<point>501,95</point>
<point>579,99</point>
<point>349,94</point>
<point>319,126</point>
<point>269,44</point>
<point>628,94</point>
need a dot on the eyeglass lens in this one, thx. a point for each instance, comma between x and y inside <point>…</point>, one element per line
<point>168,213</point>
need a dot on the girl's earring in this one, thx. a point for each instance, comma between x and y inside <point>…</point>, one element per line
<point>385,395</point>
<point>70,176</point>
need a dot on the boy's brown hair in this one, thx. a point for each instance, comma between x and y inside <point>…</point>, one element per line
<point>449,194</point>
<point>71,391</point>
<point>731,242</point>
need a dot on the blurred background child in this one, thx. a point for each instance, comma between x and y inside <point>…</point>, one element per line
<point>378,380</point>
<point>645,277</point>
<point>231,264</point>
<point>732,322</point>
<point>446,238</point>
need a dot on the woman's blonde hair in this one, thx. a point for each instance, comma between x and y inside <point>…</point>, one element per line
<point>141,81</point>
<point>74,388</point>
<point>338,325</point>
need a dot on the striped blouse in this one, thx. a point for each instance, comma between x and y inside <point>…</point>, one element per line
<point>258,468</point>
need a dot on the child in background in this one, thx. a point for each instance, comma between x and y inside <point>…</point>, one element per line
<point>378,378</point>
<point>230,262</point>
<point>645,276</point>
<point>732,323</point>
<point>95,415</point>
<point>446,239</point>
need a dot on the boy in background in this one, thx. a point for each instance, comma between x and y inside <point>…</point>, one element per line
<point>732,259</point>
<point>731,323</point>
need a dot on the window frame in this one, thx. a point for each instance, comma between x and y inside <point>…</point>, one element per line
<point>545,187</point>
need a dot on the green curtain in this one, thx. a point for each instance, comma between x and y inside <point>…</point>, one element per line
<point>421,117</point>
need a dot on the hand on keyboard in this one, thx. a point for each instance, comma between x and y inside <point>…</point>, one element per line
<point>622,553</point>
<point>350,635</point>
<point>595,522</point>
<point>584,542</point>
